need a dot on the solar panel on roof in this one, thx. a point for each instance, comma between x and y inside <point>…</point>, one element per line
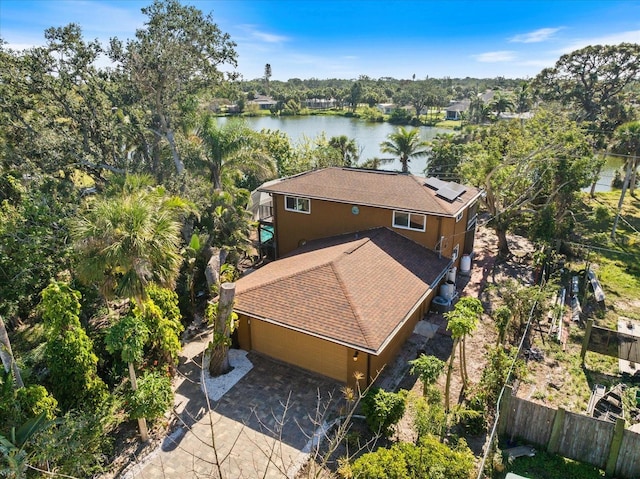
<point>435,183</point>
<point>457,187</point>
<point>448,194</point>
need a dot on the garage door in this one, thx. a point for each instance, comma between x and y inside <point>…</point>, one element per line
<point>292,347</point>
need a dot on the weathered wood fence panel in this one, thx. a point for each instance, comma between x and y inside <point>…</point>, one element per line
<point>530,421</point>
<point>628,464</point>
<point>585,439</point>
<point>575,436</point>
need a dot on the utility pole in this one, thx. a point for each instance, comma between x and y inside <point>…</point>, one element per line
<point>627,176</point>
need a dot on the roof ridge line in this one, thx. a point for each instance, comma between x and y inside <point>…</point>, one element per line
<point>346,294</point>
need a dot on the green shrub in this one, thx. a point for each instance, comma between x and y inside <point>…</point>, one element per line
<point>73,377</point>
<point>34,400</point>
<point>153,397</point>
<point>383,409</point>
<point>429,459</point>
<point>381,464</point>
<point>429,417</point>
<point>601,214</point>
<point>400,116</point>
<point>433,459</point>
<point>76,444</point>
<point>72,364</point>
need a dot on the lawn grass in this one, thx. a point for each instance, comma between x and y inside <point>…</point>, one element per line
<point>564,380</point>
<point>449,124</point>
<point>550,466</point>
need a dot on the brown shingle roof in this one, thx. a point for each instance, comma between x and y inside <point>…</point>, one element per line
<point>384,189</point>
<point>352,289</point>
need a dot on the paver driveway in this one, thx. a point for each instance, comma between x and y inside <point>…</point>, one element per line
<point>242,424</point>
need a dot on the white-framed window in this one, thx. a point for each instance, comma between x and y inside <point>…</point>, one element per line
<point>297,204</point>
<point>456,252</point>
<point>459,216</point>
<point>472,221</point>
<point>409,221</point>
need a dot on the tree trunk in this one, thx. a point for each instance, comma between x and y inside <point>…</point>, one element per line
<point>463,363</point>
<point>169,135</point>
<point>634,172</point>
<point>592,191</point>
<point>142,422</point>
<point>447,388</point>
<point>405,164</point>
<point>503,244</point>
<point>625,183</point>
<point>219,363</point>
<point>6,354</point>
<point>216,179</point>
<point>177,161</point>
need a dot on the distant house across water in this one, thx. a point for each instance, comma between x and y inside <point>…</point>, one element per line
<point>320,103</point>
<point>264,102</point>
<point>457,109</point>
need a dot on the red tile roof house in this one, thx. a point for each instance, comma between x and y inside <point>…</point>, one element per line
<point>361,254</point>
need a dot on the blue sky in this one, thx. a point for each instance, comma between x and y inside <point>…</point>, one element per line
<point>348,38</point>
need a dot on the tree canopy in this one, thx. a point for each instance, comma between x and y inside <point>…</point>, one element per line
<point>530,168</point>
<point>176,55</point>
<point>593,80</point>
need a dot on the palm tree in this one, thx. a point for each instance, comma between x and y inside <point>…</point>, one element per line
<point>479,112</point>
<point>129,241</point>
<point>523,98</point>
<point>232,148</point>
<point>501,103</point>
<point>229,223</point>
<point>347,147</point>
<point>405,144</point>
<point>376,163</point>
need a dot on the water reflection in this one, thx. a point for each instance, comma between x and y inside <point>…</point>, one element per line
<point>368,136</point>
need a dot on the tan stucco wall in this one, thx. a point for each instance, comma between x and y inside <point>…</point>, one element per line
<point>302,350</point>
<point>321,356</point>
<point>329,219</point>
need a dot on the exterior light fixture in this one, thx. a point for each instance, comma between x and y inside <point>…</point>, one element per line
<point>355,356</point>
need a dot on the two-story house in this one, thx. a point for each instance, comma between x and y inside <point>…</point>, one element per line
<point>360,255</point>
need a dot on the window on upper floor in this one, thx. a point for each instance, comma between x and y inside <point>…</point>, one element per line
<point>297,204</point>
<point>409,221</point>
<point>459,216</point>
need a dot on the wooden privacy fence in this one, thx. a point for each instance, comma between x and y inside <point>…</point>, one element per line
<point>585,439</point>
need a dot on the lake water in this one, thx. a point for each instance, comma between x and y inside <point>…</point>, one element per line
<point>608,173</point>
<point>369,135</point>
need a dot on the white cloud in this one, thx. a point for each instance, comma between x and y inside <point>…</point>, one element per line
<point>539,63</point>
<point>269,37</point>
<point>255,34</point>
<point>496,57</point>
<point>536,36</point>
<point>18,47</point>
<point>632,36</point>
